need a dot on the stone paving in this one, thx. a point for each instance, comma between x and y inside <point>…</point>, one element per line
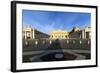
<point>54,51</point>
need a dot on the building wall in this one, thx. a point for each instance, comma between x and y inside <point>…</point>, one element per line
<point>59,35</point>
<point>81,34</point>
<point>77,35</point>
<point>29,33</point>
<point>40,35</point>
<point>86,33</point>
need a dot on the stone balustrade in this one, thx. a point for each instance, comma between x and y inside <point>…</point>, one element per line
<point>37,44</point>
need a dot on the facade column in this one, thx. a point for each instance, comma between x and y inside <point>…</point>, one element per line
<point>33,33</point>
<point>82,34</point>
<point>25,35</point>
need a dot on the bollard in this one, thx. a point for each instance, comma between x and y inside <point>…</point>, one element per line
<point>88,42</point>
<point>67,41</point>
<point>36,42</point>
<point>73,42</point>
<point>43,42</point>
<point>26,43</point>
<point>80,42</point>
<point>50,41</point>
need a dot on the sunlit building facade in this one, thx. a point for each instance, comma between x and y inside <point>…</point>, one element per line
<point>59,34</point>
<point>80,34</point>
<point>86,33</point>
<point>29,33</point>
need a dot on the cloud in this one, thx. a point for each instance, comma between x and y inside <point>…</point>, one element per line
<point>47,21</point>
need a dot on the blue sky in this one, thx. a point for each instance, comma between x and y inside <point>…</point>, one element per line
<point>47,21</point>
